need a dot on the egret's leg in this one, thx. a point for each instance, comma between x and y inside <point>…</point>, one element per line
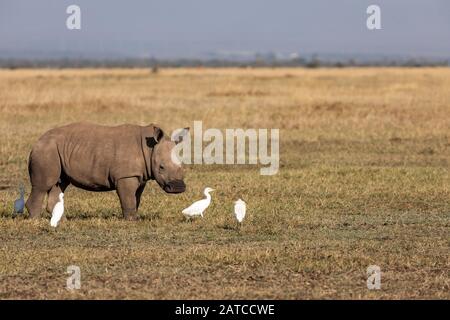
<point>127,190</point>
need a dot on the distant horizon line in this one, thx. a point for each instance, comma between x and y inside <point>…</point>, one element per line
<point>237,56</point>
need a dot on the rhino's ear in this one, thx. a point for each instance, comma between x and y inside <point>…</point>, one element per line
<point>158,134</point>
<point>181,135</point>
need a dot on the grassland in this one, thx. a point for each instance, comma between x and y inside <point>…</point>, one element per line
<point>364,180</point>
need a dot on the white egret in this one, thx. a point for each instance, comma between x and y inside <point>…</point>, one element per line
<point>58,211</point>
<point>198,207</point>
<point>240,210</point>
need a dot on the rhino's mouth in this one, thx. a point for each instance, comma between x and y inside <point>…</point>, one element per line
<point>176,186</point>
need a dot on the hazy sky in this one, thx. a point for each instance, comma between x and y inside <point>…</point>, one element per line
<point>189,28</point>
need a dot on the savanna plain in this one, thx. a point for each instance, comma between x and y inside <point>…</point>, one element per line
<point>363,180</point>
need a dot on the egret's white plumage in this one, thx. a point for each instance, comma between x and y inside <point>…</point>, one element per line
<point>240,210</point>
<point>58,211</point>
<point>198,207</point>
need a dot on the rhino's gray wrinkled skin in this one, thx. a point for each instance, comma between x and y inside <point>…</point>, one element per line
<point>101,158</point>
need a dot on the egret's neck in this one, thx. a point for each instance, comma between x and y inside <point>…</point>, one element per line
<point>208,196</point>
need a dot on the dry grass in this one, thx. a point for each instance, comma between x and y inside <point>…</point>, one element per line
<point>364,180</point>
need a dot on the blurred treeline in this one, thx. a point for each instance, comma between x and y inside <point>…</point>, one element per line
<point>154,64</point>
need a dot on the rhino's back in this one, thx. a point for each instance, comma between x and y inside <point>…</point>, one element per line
<point>94,156</point>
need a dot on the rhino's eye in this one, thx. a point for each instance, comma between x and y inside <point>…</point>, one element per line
<point>161,167</point>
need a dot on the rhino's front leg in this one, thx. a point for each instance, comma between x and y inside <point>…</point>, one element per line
<point>138,195</point>
<point>126,189</point>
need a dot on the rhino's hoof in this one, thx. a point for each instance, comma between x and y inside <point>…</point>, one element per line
<point>131,217</point>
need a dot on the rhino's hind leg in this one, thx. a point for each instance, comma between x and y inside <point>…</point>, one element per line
<point>54,192</point>
<point>127,191</point>
<point>34,202</point>
<point>44,168</point>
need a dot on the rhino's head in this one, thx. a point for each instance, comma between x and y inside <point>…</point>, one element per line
<point>168,174</point>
